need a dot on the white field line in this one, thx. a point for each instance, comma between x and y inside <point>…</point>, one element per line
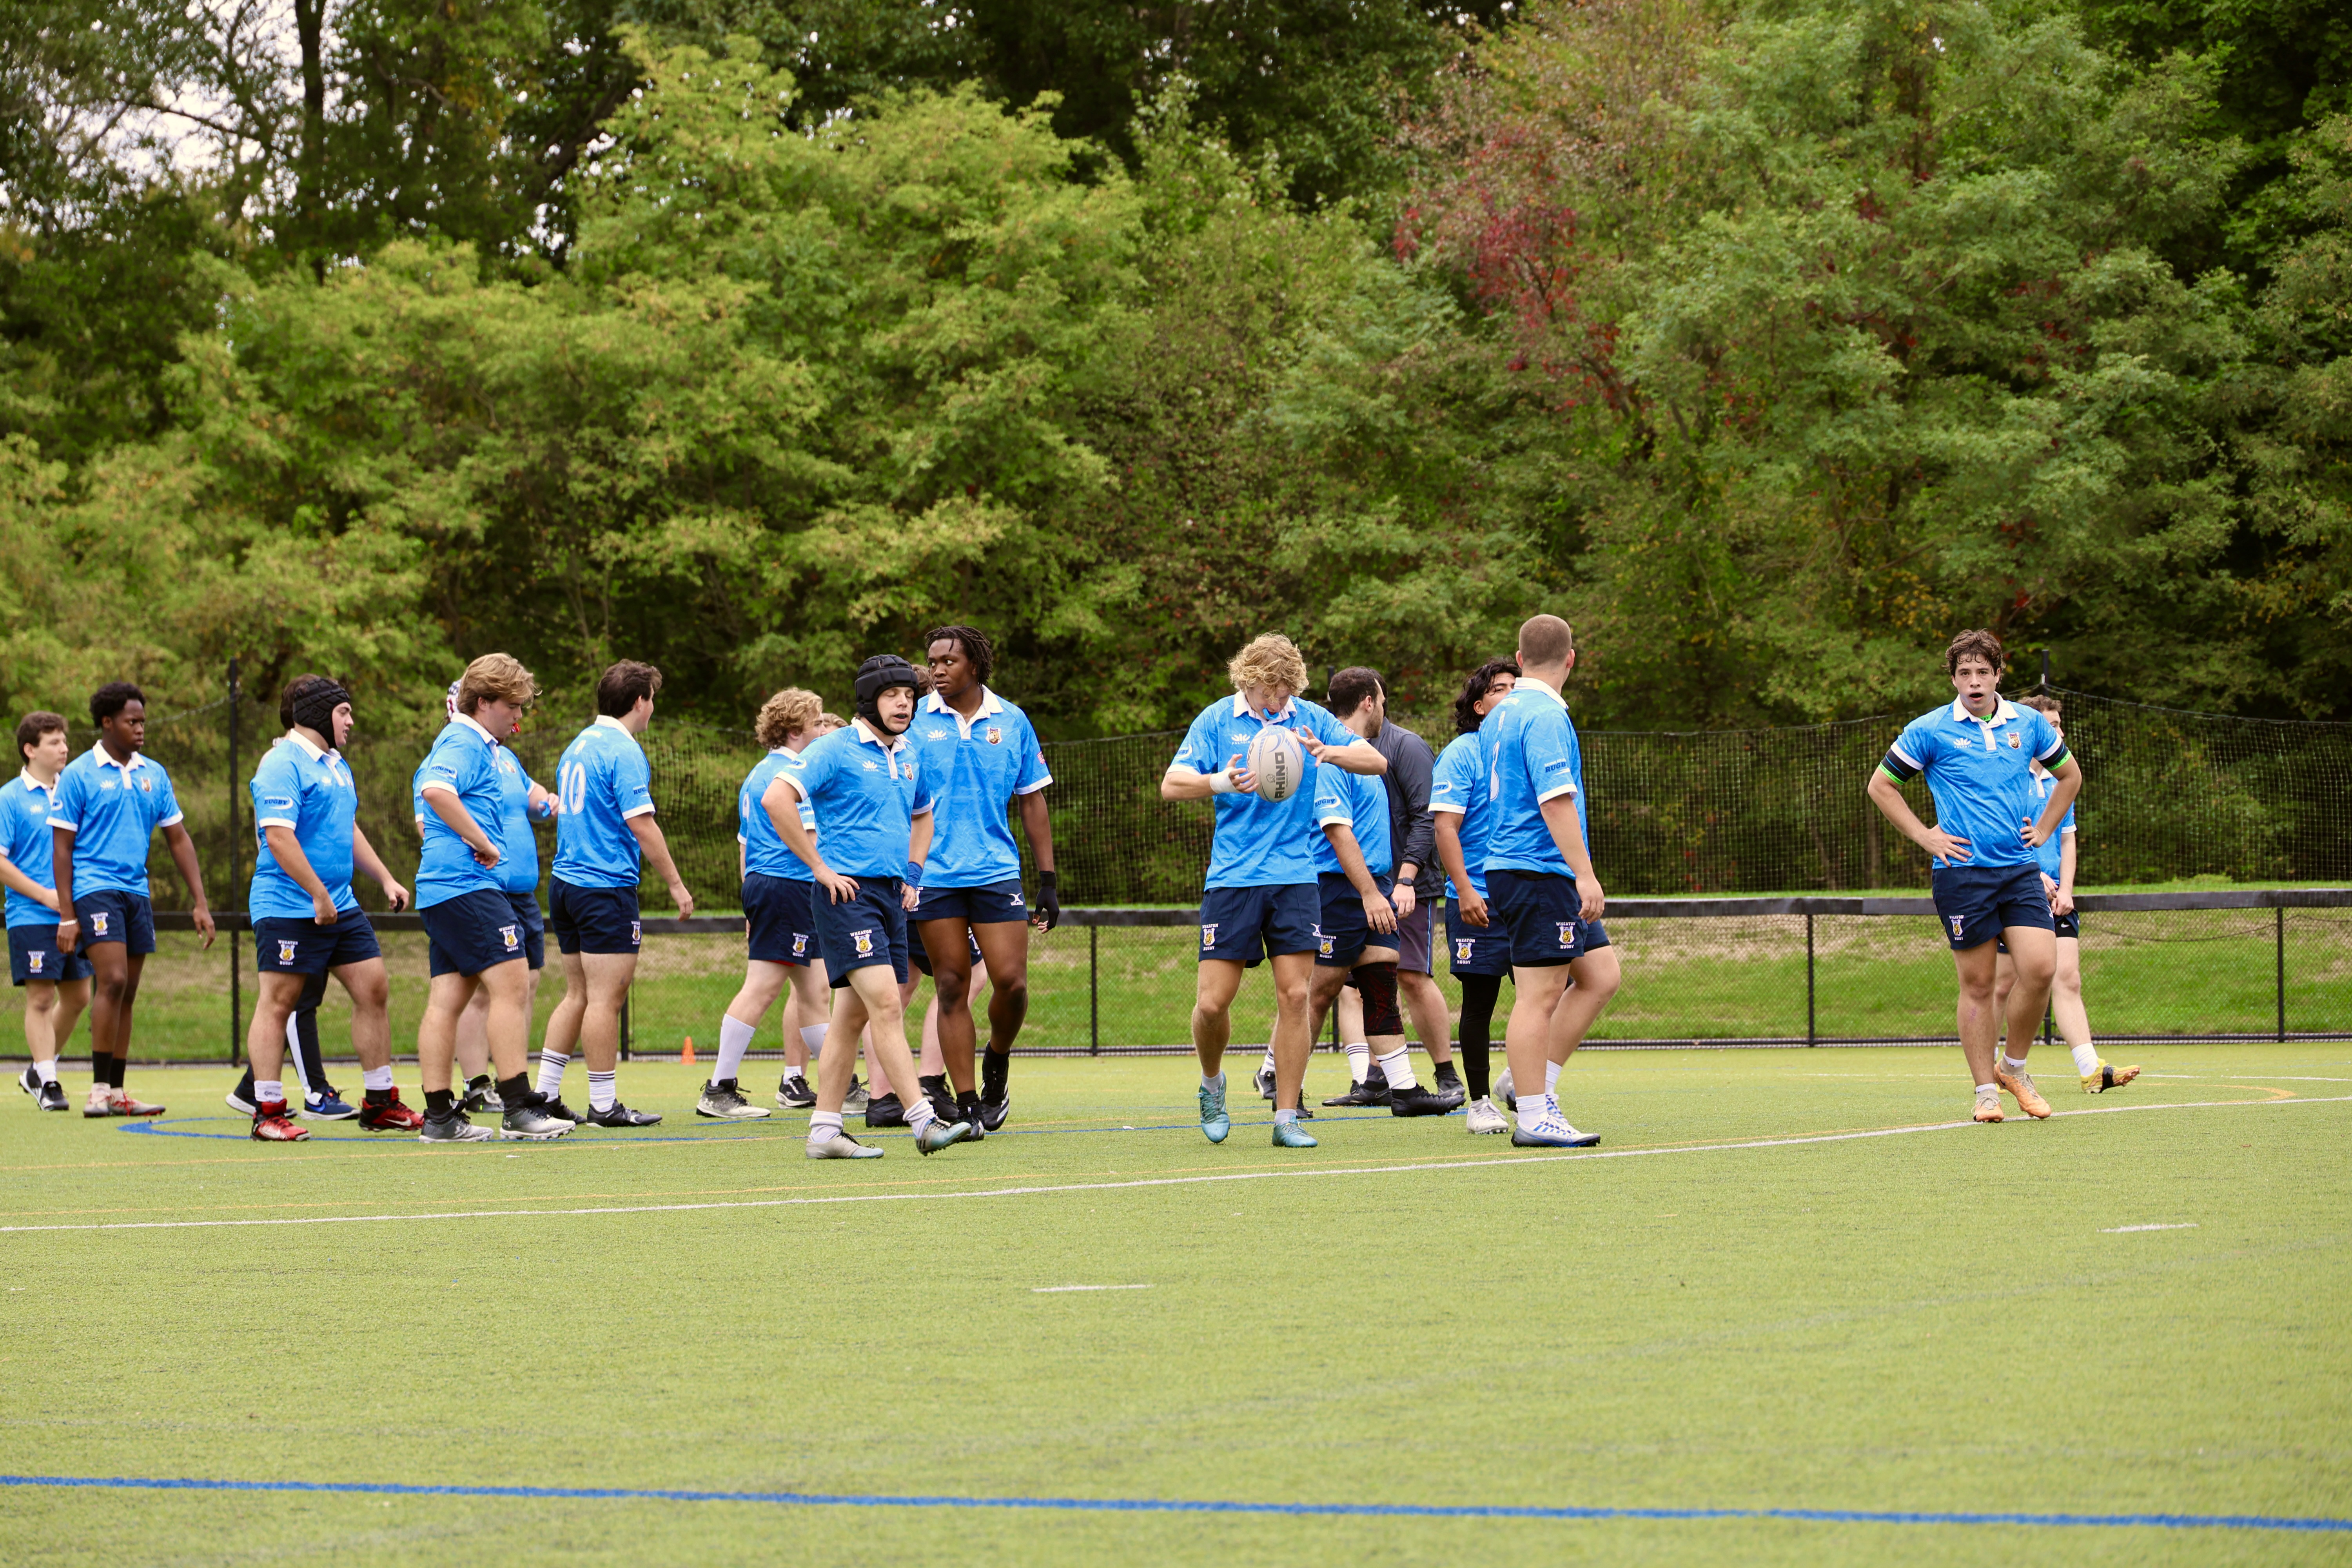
<point>1130,1185</point>
<point>1061,1290</point>
<point>2129,1229</point>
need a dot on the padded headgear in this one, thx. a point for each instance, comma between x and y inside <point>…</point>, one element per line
<point>315,709</point>
<point>876,675</point>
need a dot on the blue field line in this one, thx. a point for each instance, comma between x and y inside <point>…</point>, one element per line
<point>750,1130</point>
<point>1161,1505</point>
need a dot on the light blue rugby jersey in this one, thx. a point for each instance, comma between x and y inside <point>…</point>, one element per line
<point>1259,843</point>
<point>1459,785</point>
<point>25,807</point>
<point>867,794</point>
<point>300,787</point>
<point>1980,772</point>
<point>1363,802</point>
<point>518,868</point>
<point>1532,756</point>
<point>603,780</point>
<point>464,762</point>
<point>114,809</point>
<point>2051,857</point>
<point>976,767</point>
<point>765,853</point>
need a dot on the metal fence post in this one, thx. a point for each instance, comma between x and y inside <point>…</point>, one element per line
<point>2278,926</point>
<point>1094,991</point>
<point>1809,978</point>
<point>228,894</point>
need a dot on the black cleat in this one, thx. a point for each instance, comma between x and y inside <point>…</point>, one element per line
<point>620,1116</point>
<point>992,1113</point>
<point>885,1111</point>
<point>967,1111</point>
<point>794,1092</point>
<point>1419,1101</point>
<point>1263,1081</point>
<point>477,1095</point>
<point>1372,1091</point>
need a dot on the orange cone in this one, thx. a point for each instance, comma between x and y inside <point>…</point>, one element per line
<point>685,1057</point>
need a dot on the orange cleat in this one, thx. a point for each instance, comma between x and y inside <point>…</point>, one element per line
<point>2020,1088</point>
<point>119,1103</point>
<point>2107,1078</point>
<point>1988,1108</point>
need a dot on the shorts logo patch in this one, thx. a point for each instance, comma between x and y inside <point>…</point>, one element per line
<point>1208,937</point>
<point>1323,944</point>
<point>512,937</point>
<point>1016,901</point>
<point>799,944</point>
<point>865,940</point>
<point>1955,926</point>
<point>284,951</point>
<point>995,736</point>
<point>1566,932</point>
<point>1462,949</point>
<point>98,922</point>
<point>636,933</point>
<point>35,961</point>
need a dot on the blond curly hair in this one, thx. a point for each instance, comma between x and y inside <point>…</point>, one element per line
<point>1272,660</point>
<point>786,714</point>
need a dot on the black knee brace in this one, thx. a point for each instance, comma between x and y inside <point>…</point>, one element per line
<point>1377,984</point>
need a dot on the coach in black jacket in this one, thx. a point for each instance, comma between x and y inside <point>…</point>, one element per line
<point>1360,700</point>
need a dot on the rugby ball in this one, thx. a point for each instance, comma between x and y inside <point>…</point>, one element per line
<point>1278,762</point>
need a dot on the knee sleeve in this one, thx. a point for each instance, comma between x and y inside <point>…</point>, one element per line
<point>1376,983</point>
<point>1479,994</point>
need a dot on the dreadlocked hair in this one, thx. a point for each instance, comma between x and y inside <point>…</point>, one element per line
<point>975,644</point>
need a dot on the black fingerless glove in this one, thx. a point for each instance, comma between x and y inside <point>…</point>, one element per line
<point>1049,900</point>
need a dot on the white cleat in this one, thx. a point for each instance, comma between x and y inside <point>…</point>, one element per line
<point>841,1146</point>
<point>1484,1118</point>
<point>1510,1101</point>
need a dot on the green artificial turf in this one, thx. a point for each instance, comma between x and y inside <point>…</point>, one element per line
<point>2170,971</point>
<point>1936,1320</point>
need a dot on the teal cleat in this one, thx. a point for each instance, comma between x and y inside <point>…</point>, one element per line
<point>1291,1135</point>
<point>939,1133</point>
<point>1215,1122</point>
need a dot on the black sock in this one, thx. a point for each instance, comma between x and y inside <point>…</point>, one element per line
<point>1446,1075</point>
<point>108,1071</point>
<point>479,1080</point>
<point>994,1067</point>
<point>1479,994</point>
<point>514,1093</point>
<point>245,1085</point>
<point>440,1103</point>
<point>381,1096</point>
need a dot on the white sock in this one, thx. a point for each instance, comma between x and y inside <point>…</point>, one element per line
<point>1397,1068</point>
<point>1360,1061</point>
<point>2011,1063</point>
<point>813,1038</point>
<point>735,1037</point>
<point>550,1073</point>
<point>603,1090</point>
<point>1551,1076</point>
<point>822,1125</point>
<point>1987,1091</point>
<point>920,1115</point>
<point>376,1078</point>
<point>269,1091</point>
<point>1282,1116</point>
<point>1216,1082</point>
<point>1534,1109</point>
<point>1267,1067</point>
<point>2086,1059</point>
<point>47,1070</point>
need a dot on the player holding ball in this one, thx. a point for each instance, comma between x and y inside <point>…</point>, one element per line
<point>1252,753</point>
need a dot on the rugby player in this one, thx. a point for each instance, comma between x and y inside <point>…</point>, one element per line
<point>306,921</point>
<point>865,788</point>
<point>1545,892</point>
<point>1262,900</point>
<point>1978,756</point>
<point>474,941</point>
<point>1478,951</point>
<point>604,828</point>
<point>108,803</point>
<point>56,984</point>
<point>980,757</point>
<point>2057,860</point>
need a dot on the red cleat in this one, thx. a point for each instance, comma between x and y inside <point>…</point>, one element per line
<point>272,1125</point>
<point>391,1116</point>
<point>118,1103</point>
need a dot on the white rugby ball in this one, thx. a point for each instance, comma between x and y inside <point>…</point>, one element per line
<point>1278,762</point>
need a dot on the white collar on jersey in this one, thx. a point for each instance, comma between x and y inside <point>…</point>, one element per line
<point>474,724</point>
<point>106,760</point>
<point>891,747</point>
<point>25,775</point>
<point>991,705</point>
<point>1242,709</point>
<point>303,741</point>
<point>1543,687</point>
<point>610,723</point>
<point>2003,711</point>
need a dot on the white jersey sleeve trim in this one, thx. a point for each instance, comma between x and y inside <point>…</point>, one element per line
<point>444,786</point>
<point>66,823</point>
<point>173,820</point>
<point>645,810</point>
<point>1033,788</point>
<point>1451,809</point>
<point>276,822</point>
<point>1555,793</point>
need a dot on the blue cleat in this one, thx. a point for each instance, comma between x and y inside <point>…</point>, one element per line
<point>1215,1122</point>
<point>1291,1135</point>
<point>328,1107</point>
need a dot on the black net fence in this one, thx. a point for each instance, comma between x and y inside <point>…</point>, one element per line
<point>2169,796</point>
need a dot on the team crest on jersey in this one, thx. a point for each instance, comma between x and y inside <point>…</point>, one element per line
<point>512,936</point>
<point>2016,740</point>
<point>284,951</point>
<point>995,736</point>
<point>1462,949</point>
<point>98,922</point>
<point>1566,932</point>
<point>865,940</point>
<point>799,944</point>
<point>36,961</point>
<point>636,933</point>
<point>147,786</point>
<point>1208,937</point>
